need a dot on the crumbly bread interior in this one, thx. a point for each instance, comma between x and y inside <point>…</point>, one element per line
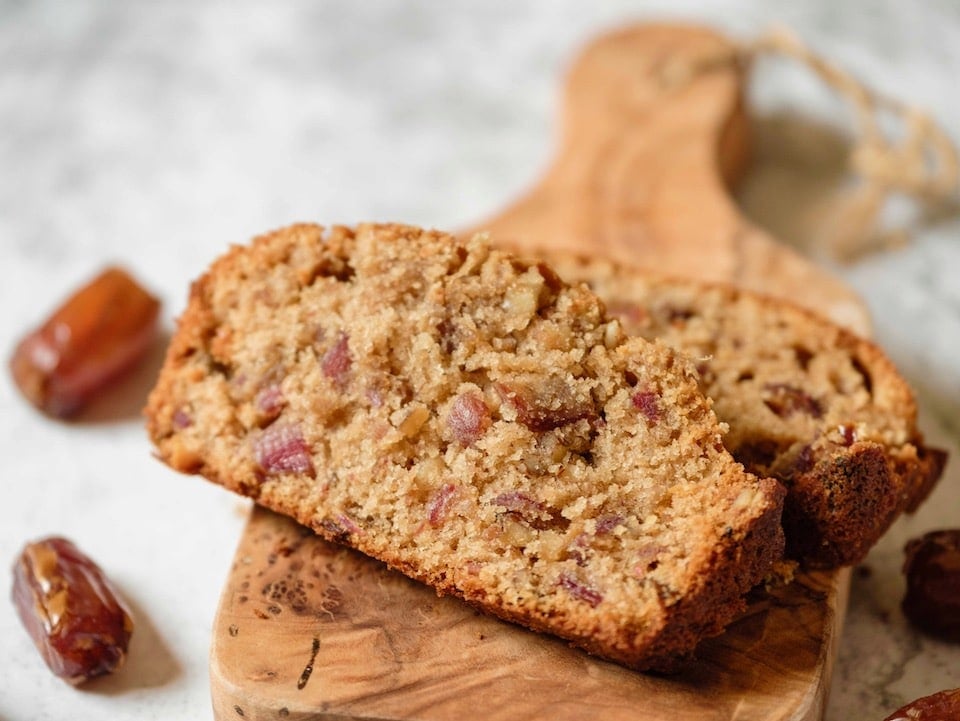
<point>808,403</point>
<point>474,422</point>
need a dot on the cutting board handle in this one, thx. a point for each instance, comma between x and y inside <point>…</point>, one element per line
<point>654,133</point>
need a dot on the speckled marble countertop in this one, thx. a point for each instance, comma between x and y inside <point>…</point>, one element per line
<point>155,134</point>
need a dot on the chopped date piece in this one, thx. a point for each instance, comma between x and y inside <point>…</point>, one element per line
<point>282,448</point>
<point>579,591</point>
<point>341,527</point>
<point>439,504</point>
<point>270,402</point>
<point>414,421</point>
<point>96,336</point>
<point>348,524</point>
<point>579,548</point>
<point>519,502</point>
<point>469,418</point>
<point>607,523</point>
<point>932,568</point>
<point>374,397</point>
<point>648,403</point>
<point>335,363</point>
<point>534,513</point>
<point>549,406</point>
<point>786,400</point>
<point>181,419</point>
<point>848,433</point>
<point>71,610</point>
<point>940,706</point>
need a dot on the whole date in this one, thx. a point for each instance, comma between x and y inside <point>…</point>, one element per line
<point>71,610</point>
<point>98,334</point>
<point>932,569</point>
<point>941,706</point>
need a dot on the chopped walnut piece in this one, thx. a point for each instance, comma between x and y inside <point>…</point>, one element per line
<point>579,549</point>
<point>413,420</point>
<point>521,301</point>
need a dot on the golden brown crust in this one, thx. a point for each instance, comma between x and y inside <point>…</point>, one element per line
<point>476,424</point>
<point>807,402</point>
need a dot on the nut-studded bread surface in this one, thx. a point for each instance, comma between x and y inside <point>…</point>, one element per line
<point>808,403</point>
<point>474,422</point>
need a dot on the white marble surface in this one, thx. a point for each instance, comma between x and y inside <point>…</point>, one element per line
<point>155,134</point>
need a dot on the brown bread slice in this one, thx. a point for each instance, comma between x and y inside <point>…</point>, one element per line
<point>808,403</point>
<point>475,423</point>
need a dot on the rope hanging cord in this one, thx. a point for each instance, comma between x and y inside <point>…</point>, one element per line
<point>922,163</point>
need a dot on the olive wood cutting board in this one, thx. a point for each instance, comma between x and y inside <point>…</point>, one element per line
<point>654,132</point>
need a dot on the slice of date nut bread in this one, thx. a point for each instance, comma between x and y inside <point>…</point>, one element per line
<point>475,423</point>
<point>808,403</point>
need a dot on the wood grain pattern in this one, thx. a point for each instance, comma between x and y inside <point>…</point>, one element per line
<point>654,132</point>
<point>310,630</point>
<point>306,630</point>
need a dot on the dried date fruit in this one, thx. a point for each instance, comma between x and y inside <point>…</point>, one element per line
<point>529,510</point>
<point>579,590</point>
<point>648,403</point>
<point>439,504</point>
<point>283,449</point>
<point>547,405</point>
<point>469,418</point>
<point>71,610</point>
<point>932,568</point>
<point>941,706</point>
<point>335,363</point>
<point>786,400</point>
<point>97,335</point>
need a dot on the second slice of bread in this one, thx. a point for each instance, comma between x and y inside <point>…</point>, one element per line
<point>808,403</point>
